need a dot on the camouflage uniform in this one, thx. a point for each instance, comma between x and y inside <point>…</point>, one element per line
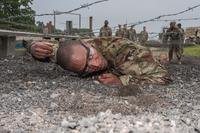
<point>182,38</point>
<point>143,37</point>
<point>129,61</point>
<point>119,33</point>
<point>125,33</point>
<point>132,35</point>
<point>174,36</point>
<point>105,32</point>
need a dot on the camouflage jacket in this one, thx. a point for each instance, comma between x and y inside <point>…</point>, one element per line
<point>143,36</point>
<point>130,61</point>
<point>182,34</point>
<point>119,33</point>
<point>105,32</point>
<point>125,33</point>
<point>132,35</point>
<point>173,34</point>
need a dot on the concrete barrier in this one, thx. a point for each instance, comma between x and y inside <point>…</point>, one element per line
<point>7,45</point>
<point>8,40</point>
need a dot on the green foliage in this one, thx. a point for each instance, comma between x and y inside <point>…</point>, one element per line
<point>192,51</point>
<point>14,11</point>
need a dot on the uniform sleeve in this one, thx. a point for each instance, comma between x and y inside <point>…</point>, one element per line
<point>100,33</point>
<point>110,34</point>
<point>27,45</point>
<point>125,79</point>
<point>139,65</point>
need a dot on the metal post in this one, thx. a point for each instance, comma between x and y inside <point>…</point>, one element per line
<point>91,23</point>
<point>79,21</point>
<point>54,12</point>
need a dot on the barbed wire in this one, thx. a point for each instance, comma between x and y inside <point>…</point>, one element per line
<point>136,23</point>
<point>58,13</point>
<point>161,16</point>
<point>179,19</point>
<point>165,15</point>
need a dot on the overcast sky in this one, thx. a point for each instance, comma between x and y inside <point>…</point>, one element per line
<point>119,12</point>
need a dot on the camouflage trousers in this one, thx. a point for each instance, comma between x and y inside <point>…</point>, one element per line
<point>177,48</point>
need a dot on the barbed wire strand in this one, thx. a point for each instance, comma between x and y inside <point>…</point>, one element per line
<point>136,23</point>
<point>165,15</point>
<point>59,13</point>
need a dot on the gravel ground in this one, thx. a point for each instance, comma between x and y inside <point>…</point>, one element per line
<point>41,97</point>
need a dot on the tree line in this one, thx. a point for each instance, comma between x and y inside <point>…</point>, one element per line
<point>17,15</point>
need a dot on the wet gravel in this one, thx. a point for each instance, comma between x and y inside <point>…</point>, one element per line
<point>42,97</point>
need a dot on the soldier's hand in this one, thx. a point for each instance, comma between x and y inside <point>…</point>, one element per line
<point>42,50</point>
<point>109,79</point>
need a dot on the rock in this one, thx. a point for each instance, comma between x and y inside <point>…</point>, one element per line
<point>53,83</point>
<point>96,82</point>
<point>54,95</point>
<point>53,105</point>
<point>4,131</point>
<point>71,125</point>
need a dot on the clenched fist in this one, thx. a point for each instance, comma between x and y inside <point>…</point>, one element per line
<point>42,50</point>
<point>109,79</point>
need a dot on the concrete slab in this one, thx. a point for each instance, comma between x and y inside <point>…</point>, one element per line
<point>7,45</point>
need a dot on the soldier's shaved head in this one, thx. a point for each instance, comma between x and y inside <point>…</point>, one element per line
<point>72,56</point>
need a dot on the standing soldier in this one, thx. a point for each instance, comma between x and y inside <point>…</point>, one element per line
<point>105,31</point>
<point>143,36</point>
<point>174,37</point>
<point>119,32</point>
<point>182,35</point>
<point>125,32</point>
<point>132,34</point>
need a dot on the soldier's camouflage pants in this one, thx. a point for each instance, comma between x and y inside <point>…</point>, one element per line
<point>175,47</point>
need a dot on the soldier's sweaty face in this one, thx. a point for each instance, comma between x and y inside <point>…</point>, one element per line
<point>80,57</point>
<point>95,62</point>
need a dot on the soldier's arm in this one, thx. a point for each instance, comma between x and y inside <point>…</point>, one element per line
<point>116,34</point>
<point>166,36</point>
<point>147,37</point>
<point>41,51</point>
<point>110,34</point>
<point>100,33</point>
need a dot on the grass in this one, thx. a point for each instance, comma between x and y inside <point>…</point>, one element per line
<point>193,51</point>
